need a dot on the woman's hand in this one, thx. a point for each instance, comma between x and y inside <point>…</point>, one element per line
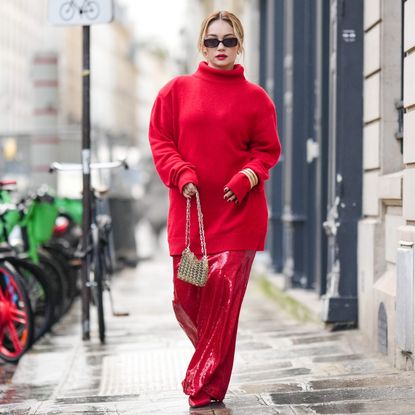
<point>189,190</point>
<point>230,196</point>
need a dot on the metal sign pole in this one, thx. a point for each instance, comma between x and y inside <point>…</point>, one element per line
<point>73,13</point>
<point>86,177</point>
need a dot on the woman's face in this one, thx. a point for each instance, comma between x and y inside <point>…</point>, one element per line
<point>220,57</point>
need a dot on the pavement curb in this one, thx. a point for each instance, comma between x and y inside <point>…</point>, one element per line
<point>286,300</point>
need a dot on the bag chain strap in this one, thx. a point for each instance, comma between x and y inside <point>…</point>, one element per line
<point>200,220</point>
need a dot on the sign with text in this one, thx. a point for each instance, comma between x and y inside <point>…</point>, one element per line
<point>79,12</point>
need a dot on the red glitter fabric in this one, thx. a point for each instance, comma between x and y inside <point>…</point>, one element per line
<point>209,316</point>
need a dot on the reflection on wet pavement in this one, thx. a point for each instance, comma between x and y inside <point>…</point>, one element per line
<point>6,372</point>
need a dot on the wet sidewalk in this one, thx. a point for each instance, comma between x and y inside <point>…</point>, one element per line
<point>281,367</point>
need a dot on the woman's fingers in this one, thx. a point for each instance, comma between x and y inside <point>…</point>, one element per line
<point>189,190</point>
<point>192,189</point>
<point>230,196</point>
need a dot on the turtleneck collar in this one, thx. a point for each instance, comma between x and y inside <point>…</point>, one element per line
<point>220,75</point>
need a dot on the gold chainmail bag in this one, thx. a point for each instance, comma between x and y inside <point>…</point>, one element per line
<point>191,269</point>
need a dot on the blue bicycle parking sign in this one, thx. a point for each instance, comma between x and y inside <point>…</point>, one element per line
<point>79,12</point>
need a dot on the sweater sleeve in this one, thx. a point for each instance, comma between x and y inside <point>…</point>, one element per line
<point>265,150</point>
<point>173,170</point>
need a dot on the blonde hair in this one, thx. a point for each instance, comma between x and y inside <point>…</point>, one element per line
<point>228,17</point>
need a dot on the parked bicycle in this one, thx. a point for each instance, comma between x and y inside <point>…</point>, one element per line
<point>37,287</point>
<point>37,215</point>
<point>98,255</point>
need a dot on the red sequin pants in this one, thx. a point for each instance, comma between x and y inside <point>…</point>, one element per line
<point>209,316</point>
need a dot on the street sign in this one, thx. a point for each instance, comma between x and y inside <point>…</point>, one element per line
<point>79,12</point>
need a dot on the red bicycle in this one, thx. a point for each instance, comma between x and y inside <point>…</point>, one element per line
<point>16,325</point>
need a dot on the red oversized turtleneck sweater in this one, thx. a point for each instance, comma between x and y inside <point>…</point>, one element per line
<point>204,129</point>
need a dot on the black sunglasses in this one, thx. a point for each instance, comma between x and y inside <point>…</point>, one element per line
<point>228,42</point>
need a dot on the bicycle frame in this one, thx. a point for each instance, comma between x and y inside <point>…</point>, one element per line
<point>75,5</point>
<point>91,249</point>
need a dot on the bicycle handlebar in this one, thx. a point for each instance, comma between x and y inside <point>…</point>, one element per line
<point>55,166</point>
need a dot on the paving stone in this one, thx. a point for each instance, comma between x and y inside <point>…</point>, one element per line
<point>318,339</point>
<point>95,398</point>
<point>23,392</point>
<point>338,394</point>
<point>18,409</point>
<point>263,367</point>
<point>382,407</point>
<point>271,375</point>
<point>337,357</point>
<point>397,379</point>
<point>286,334</point>
<point>253,346</point>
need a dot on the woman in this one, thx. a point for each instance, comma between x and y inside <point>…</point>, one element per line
<point>215,132</point>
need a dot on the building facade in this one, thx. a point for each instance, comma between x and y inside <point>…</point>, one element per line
<point>342,75</point>
<point>21,33</point>
<point>41,93</point>
<point>387,229</point>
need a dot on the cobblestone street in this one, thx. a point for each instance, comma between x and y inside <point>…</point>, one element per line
<point>282,366</point>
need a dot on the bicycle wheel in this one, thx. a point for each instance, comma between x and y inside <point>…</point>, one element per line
<point>98,282</point>
<point>107,249</point>
<point>41,293</point>
<point>54,272</point>
<point>70,272</point>
<point>67,11</point>
<point>15,315</point>
<point>91,10</point>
